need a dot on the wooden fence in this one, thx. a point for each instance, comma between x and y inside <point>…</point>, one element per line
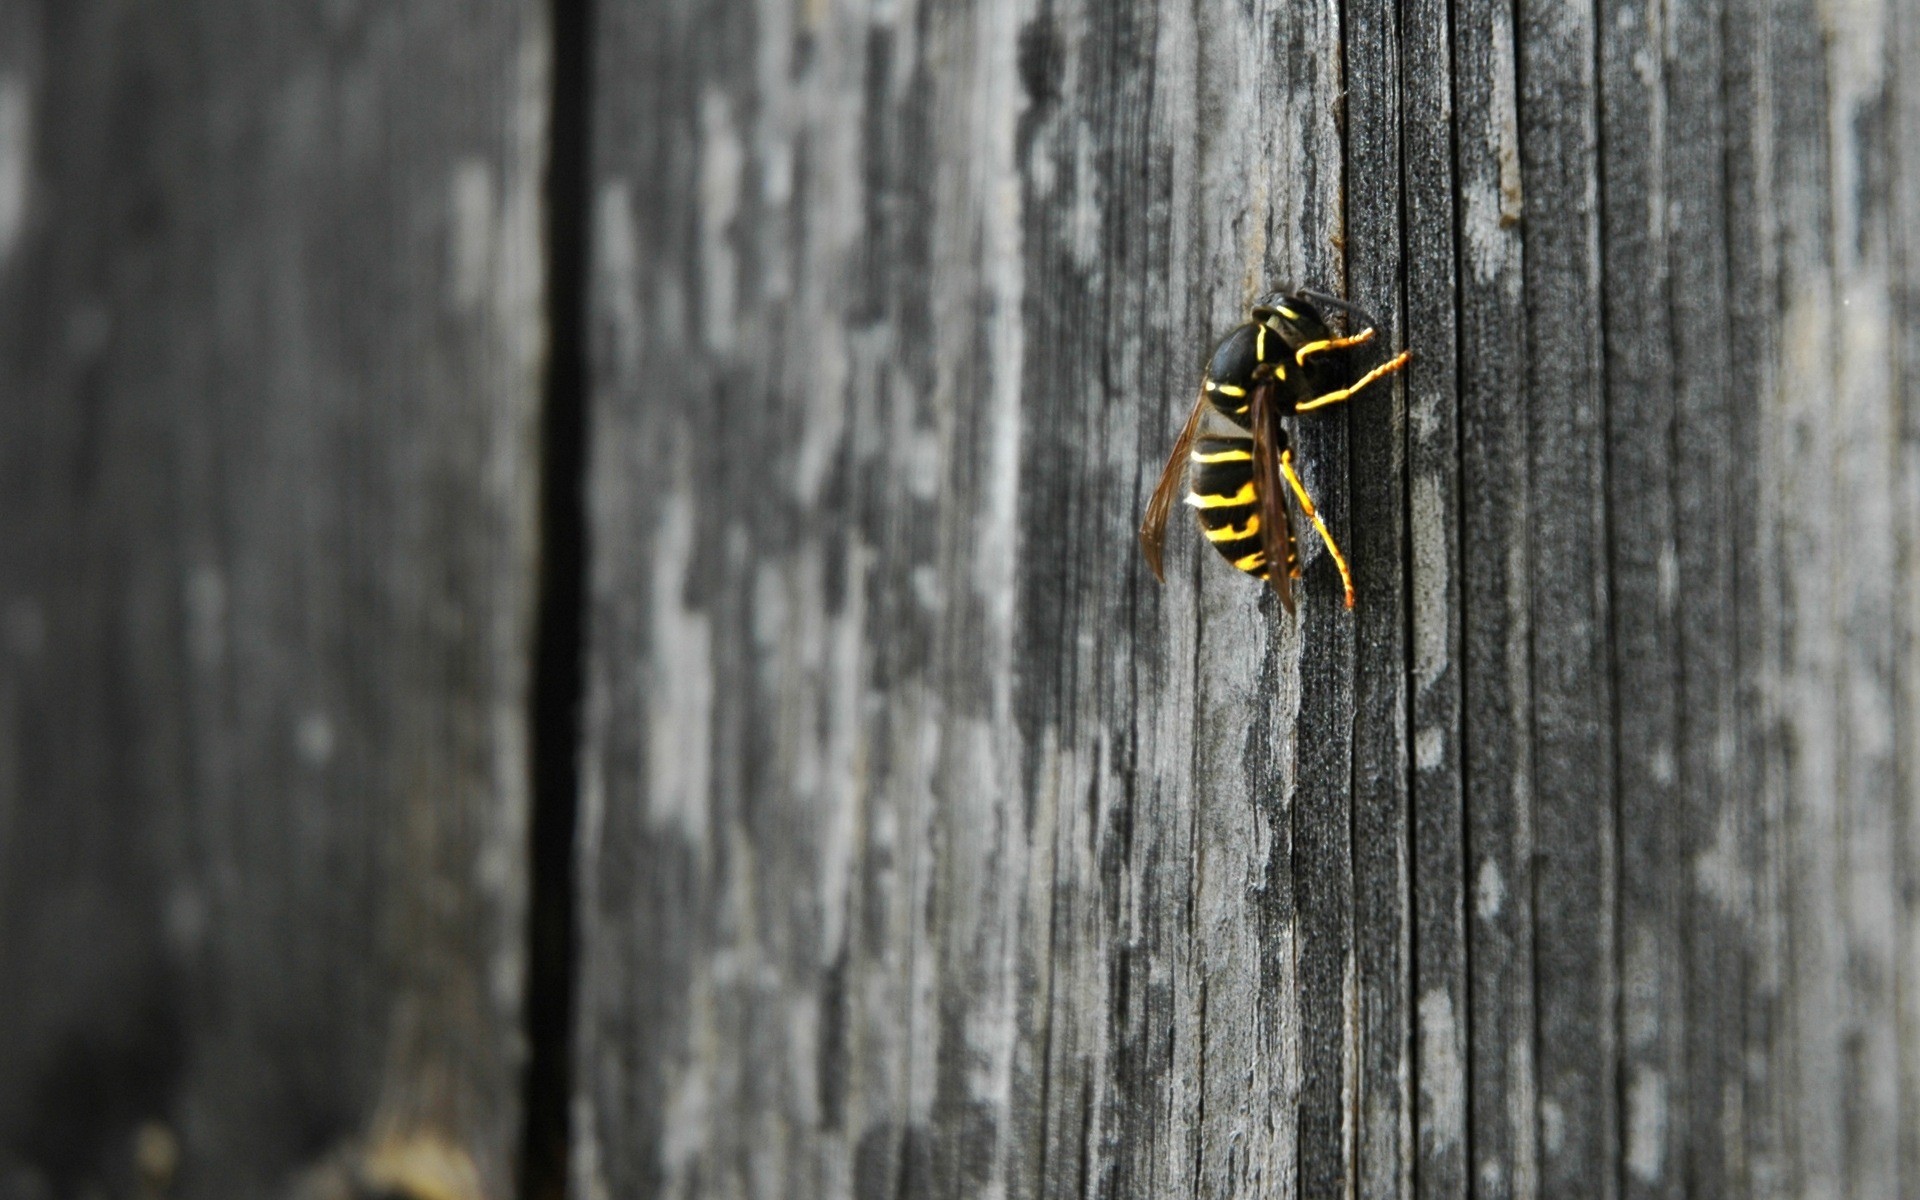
<point>569,619</point>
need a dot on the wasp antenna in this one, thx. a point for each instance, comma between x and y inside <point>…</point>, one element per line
<point>1366,319</point>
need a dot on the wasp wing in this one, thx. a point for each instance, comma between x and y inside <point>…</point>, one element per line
<point>1270,492</point>
<point>1153,528</point>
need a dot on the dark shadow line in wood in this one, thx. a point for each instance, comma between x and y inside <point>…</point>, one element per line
<point>552,958</point>
<point>1428,1182</point>
<point>1613,161</point>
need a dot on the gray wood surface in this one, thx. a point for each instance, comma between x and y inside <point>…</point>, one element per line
<point>930,848</point>
<point>926,846</point>
<point>271,329</point>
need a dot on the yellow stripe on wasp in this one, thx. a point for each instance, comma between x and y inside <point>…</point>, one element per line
<point>1219,456</point>
<point>1233,533</point>
<point>1243,496</point>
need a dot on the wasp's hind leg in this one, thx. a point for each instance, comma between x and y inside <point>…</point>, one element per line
<point>1306,506</point>
<point>1347,393</point>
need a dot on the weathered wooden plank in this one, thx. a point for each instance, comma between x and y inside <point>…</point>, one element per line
<point>1830,480</point>
<point>1496,680</point>
<point>1377,430</point>
<point>1575,866</point>
<point>928,846</point>
<point>1862,605</point>
<point>1645,589</point>
<point>1813,1022</point>
<point>924,800</point>
<point>1438,985</point>
<point>1275,1050</point>
<point>270,339</point>
<point>1903,213</point>
<point>1711,870</point>
<point>1754,336</point>
<point>1323,734</point>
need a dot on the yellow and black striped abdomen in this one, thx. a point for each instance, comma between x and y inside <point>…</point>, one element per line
<point>1220,489</point>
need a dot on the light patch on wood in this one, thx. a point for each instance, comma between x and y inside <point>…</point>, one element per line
<point>186,921</point>
<point>1661,765</point>
<point>687,1114</point>
<point>1506,112</point>
<point>206,604</point>
<point>680,687</point>
<point>1489,891</point>
<point>1480,223</point>
<point>617,260</point>
<point>520,266</point>
<point>585,1167</point>
<point>470,223</point>
<point>156,1156</point>
<point>1647,1124</point>
<point>1491,208</point>
<point>421,1166</point>
<point>843,761</point>
<point>1429,748</point>
<point>722,162</point>
<point>1717,869</point>
<point>1443,1085</point>
<point>313,739</point>
<point>1432,573</point>
<point>1041,174</point>
<point>1084,224</point>
<point>927,591</point>
<point>1553,1126</point>
<point>1003,272</point>
<point>921,454</point>
<point>825,430</point>
<point>802,1043</point>
<point>16,160</point>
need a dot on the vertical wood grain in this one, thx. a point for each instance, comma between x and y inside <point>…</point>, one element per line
<point>1377,431</point>
<point>1495,566</point>
<point>927,845</point>
<point>1711,866</point>
<point>1575,820</point>
<point>1646,588</point>
<point>1903,218</point>
<point>1753,336</point>
<point>1435,666</point>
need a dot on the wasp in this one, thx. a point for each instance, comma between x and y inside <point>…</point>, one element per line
<point>1234,453</point>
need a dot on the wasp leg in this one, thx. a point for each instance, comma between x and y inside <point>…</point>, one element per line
<point>1386,368</point>
<point>1358,339</point>
<point>1306,506</point>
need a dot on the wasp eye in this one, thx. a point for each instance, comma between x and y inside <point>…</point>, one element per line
<point>1267,303</point>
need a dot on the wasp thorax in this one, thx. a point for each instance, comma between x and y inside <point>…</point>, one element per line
<point>1295,320</point>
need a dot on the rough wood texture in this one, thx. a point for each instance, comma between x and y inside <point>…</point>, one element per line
<point>270,342</point>
<point>931,848</point>
<point>926,845</point>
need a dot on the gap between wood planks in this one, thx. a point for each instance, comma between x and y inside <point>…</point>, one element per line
<point>559,637</point>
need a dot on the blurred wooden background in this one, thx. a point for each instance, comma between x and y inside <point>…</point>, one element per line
<point>569,618</point>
